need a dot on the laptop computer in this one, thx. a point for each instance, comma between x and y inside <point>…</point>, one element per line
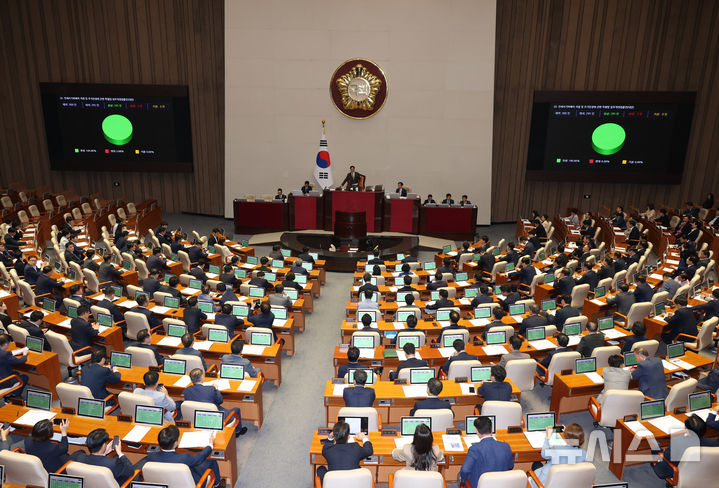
<point>516,309</point>
<point>34,344</point>
<point>448,339</point>
<point>482,312</point>
<point>171,302</point>
<point>420,376</point>
<point>149,415</point>
<point>209,419</point>
<point>573,329</point>
<point>351,375</point>
<point>469,427</point>
<point>38,399</point>
<point>408,339</point>
<point>65,481</point>
<point>176,330</point>
<point>120,359</point>
<point>585,365</point>
<point>600,291</point>
<point>363,341</point>
<point>605,323</point>
<point>540,421</point>
<point>260,339</point>
<point>356,424</point>
<point>409,424</point>
<point>89,407</point>
<point>652,409</point>
<point>232,371</point>
<point>630,359</point>
<point>700,401</point>
<point>549,304</point>
<point>536,333</point>
<point>218,335</point>
<point>480,373</point>
<point>675,350</point>
<point>496,337</point>
<point>174,366</point>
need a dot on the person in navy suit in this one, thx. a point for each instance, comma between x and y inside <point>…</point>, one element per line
<point>589,277</point>
<point>76,294</point>
<point>198,392</point>
<point>650,373</point>
<point>459,354</point>
<point>533,320</point>
<point>46,285</point>
<point>496,389</point>
<point>693,436</point>
<point>152,320</point>
<point>168,438</point>
<point>525,273</point>
<point>52,454</point>
<point>434,388</point>
<point>227,295</point>
<point>144,341</point>
<point>151,284</point>
<point>8,361</point>
<point>711,308</point>
<point>411,362</point>
<point>260,281</point>
<point>453,325</point>
<point>359,395</point>
<point>483,296</point>
<point>633,233</point>
<point>567,311</point>
<point>401,190</point>
<point>193,316</point>
<point>563,342</point>
<point>353,354</point>
<point>682,322</point>
<point>99,443</point>
<point>638,329</point>
<point>340,454</point>
<point>565,284</point>
<point>31,272</point>
<point>643,292</point>
<point>96,375</point>
<point>34,327</point>
<point>263,319</point>
<point>82,331</point>
<point>487,455</point>
<point>187,349</point>
<point>298,269</point>
<point>228,320</point>
<point>156,261</point>
<point>106,303</point>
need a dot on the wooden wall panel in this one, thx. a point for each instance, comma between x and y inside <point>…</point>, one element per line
<point>670,45</point>
<point>173,42</point>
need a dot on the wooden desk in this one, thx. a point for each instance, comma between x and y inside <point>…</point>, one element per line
<point>111,337</point>
<point>457,223</point>
<point>258,217</point>
<point>12,302</point>
<point>81,426</point>
<point>42,369</point>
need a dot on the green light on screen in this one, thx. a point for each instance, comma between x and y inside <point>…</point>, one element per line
<point>608,138</point>
<point>117,129</point>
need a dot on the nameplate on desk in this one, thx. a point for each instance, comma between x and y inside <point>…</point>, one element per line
<point>183,423</point>
<point>324,431</point>
<point>454,432</point>
<point>400,381</point>
<point>68,410</point>
<point>124,418</point>
<point>210,374</point>
<point>385,402</point>
<point>389,432</point>
<point>155,368</point>
<point>514,429</point>
<point>461,379</point>
<point>338,381</point>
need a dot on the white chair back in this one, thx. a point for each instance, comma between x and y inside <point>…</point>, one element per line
<point>135,323</point>
<point>442,419</point>
<point>617,404</point>
<point>505,413</point>
<point>601,354</point>
<point>561,361</point>
<point>23,469</point>
<point>409,478</point>
<point>350,478</point>
<point>679,394</point>
<point>579,294</point>
<point>515,478</point>
<point>459,369</point>
<point>141,357</point>
<point>580,475</point>
<point>128,401</point>
<point>693,473</point>
<point>93,475</point>
<point>521,373</point>
<point>170,474</point>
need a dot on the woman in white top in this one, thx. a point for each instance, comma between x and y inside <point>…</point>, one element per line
<point>421,454</point>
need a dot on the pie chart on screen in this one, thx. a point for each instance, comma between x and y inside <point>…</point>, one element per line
<point>608,139</point>
<point>117,129</point>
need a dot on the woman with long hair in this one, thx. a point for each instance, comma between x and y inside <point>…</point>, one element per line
<point>422,454</point>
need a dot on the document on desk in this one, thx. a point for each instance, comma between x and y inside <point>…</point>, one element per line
<point>160,309</point>
<point>248,266</point>
<point>169,341</point>
<point>221,384</point>
<point>247,385</point>
<point>446,351</point>
<point>403,357</point>
<point>667,424</point>
<point>470,439</point>
<point>355,288</point>
<point>393,289</point>
<point>22,350</point>
<point>536,439</point>
<point>452,253</point>
<point>78,441</point>
<point>597,301</point>
<point>128,304</point>
<point>462,283</point>
<point>465,301</point>
<point>444,323</point>
<point>4,294</point>
<point>31,417</point>
<point>102,328</point>
<point>65,323</point>
<point>183,382</point>
<point>400,442</point>
<point>399,325</point>
<point>366,352</point>
<point>494,350</point>
<point>202,345</point>
<point>682,364</point>
<point>613,334</point>
<point>190,291</point>
<point>542,345</point>
<point>452,443</point>
<point>137,433</point>
<point>672,261</point>
<point>703,413</point>
<point>212,276</point>
<point>594,377</point>
<point>198,438</point>
<point>479,322</point>
<point>656,276</point>
<point>253,350</point>
<point>660,318</point>
<point>466,387</point>
<point>415,391</point>
<point>669,366</point>
<point>574,340</point>
<point>338,390</point>
<point>210,316</point>
<point>279,322</point>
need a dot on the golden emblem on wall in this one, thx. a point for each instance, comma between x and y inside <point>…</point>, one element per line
<point>358,88</point>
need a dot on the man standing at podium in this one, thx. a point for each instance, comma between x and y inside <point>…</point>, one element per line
<point>352,180</point>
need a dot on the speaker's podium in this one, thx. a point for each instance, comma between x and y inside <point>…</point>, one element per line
<point>369,202</point>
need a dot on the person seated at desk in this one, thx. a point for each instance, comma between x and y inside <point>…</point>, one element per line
<point>340,454</point>
<point>156,260</point>
<point>615,376</point>
<point>298,269</point>
<point>107,272</point>
<point>158,394</point>
<point>228,277</point>
<point>459,354</point>
<point>422,454</point>
<point>187,349</point>
<point>562,342</point>
<point>33,325</point>
<point>81,330</point>
<point>529,248</point>
<point>606,270</point>
<point>151,284</point>
<point>568,452</point>
<point>264,265</point>
<point>76,294</point>
<point>215,237</point>
<point>352,180</point>
<point>7,362</point>
<point>623,300</point>
<point>13,240</point>
<point>197,254</point>
<point>40,444</point>
<point>588,276</point>
<point>432,402</point>
<point>407,279</point>
<point>358,395</point>
<point>226,295</point>
<point>72,255</point>
<point>306,188</point>
<point>633,233</point>
<point>515,344</point>
<point>448,199</point>
<point>105,302</point>
<point>367,302</point>
<point>280,196</point>
<point>496,389</point>
<point>487,455</point>
<point>168,439</point>
<point>264,318</point>
<point>525,273</point>
<point>353,354</point>
<point>276,252</point>
<point>366,321</point>
<point>97,374</point>
<point>510,294</point>
<point>290,282</point>
<point>401,190</point>
<point>670,285</point>
<point>534,319</point>
<point>152,319</point>
<point>280,298</point>
<point>497,315</point>
<point>442,302</point>
<point>197,392</point>
<point>682,321</point>
<point>638,329</point>
<point>643,292</point>
<point>176,243</point>
<point>429,200</point>
<point>367,278</point>
<point>589,342</point>
<point>198,270</point>
<point>465,201</point>
<point>618,220</point>
<point>100,444</point>
<point>6,257</point>
<point>237,358</point>
<point>192,316</point>
<point>171,288</point>
<point>260,281</point>
<point>144,341</point>
<point>406,271</point>
<point>46,285</point>
<point>650,373</point>
<point>484,295</point>
<point>121,241</point>
<point>562,314</point>
<point>5,319</point>
<point>410,362</point>
<point>228,320</point>
<point>446,267</point>
<point>693,436</point>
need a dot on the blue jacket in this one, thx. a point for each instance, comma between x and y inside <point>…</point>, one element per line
<point>52,454</point>
<point>192,318</point>
<point>344,368</point>
<point>114,310</point>
<point>495,391</point>
<point>7,361</point>
<point>31,274</point>
<point>409,363</point>
<point>242,361</point>
<point>45,284</point>
<point>358,396</point>
<point>486,456</point>
<point>203,393</point>
<point>81,333</point>
<point>229,321</point>
<point>431,403</point>
<point>262,320</point>
<point>150,285</point>
<point>652,381</point>
<point>121,467</point>
<point>462,356</point>
<point>630,341</point>
<point>190,351</point>
<point>643,293</point>
<point>95,377</point>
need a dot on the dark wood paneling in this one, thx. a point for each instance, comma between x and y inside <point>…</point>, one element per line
<point>173,42</point>
<point>665,45</point>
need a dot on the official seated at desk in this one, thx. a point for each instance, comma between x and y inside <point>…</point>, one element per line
<point>410,362</point>
<point>359,395</point>
<point>615,376</point>
<point>33,325</point>
<point>97,374</point>
<point>236,358</point>
<point>100,444</point>
<point>198,392</point>
<point>429,200</point>
<point>158,394</point>
<point>353,180</point>
<point>144,340</point>
<point>40,444</point>
<point>343,455</point>
<point>672,455</point>
<point>459,354</point>
<point>487,455</point>
<point>569,451</point>
<point>432,402</point>
<point>515,344</point>
<point>650,373</point>
<point>401,190</point>
<point>107,272</point>
<point>192,316</point>
<point>141,307</point>
<point>306,188</point>
<point>280,196</point>
<point>81,330</point>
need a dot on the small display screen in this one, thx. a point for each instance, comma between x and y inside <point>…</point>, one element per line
<point>420,376</point>
<point>410,424</point>
<point>481,373</point>
<point>540,421</point>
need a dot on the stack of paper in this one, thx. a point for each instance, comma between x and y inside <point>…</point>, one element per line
<point>703,413</point>
<point>31,417</point>
<point>446,352</point>
<point>4,293</point>
<point>465,301</point>
<point>638,429</point>
<point>479,322</point>
<point>613,334</point>
<point>462,283</point>
<point>598,302</point>
<point>574,340</point>
<point>221,384</point>
<point>65,323</point>
<point>470,439</point>
<point>128,304</point>
<point>452,443</point>
<point>279,322</point>
<point>444,323</point>
<point>102,328</point>
<point>399,325</point>
<point>400,442</point>
<point>198,438</point>
<point>169,341</point>
<point>413,391</point>
<point>366,353</point>
<point>137,433</point>
<point>247,385</point>
<point>656,276</point>
<point>338,390</point>
<point>667,424</point>
<point>494,350</point>
<point>542,345</point>
<point>403,357</point>
<point>160,309</point>
<point>465,387</point>
<point>202,345</point>
<point>183,382</point>
<point>536,439</point>
<point>212,276</point>
<point>594,377</point>
<point>253,350</point>
<point>190,291</point>
<point>393,289</point>
<point>682,364</point>
<point>669,366</point>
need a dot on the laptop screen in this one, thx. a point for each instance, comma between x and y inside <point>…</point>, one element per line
<point>470,429</point>
<point>240,274</point>
<point>549,304</point>
<point>209,419</point>
<point>240,310</point>
<point>372,313</point>
<point>573,329</point>
<point>357,424</point>
<point>72,312</point>
<point>252,260</point>
<point>316,256</point>
<point>700,401</point>
<point>120,359</point>
<point>443,315</point>
<point>256,292</point>
<point>480,373</point>
<point>599,292</point>
<point>516,309</point>
<point>279,312</point>
<point>146,414</point>
<point>286,253</point>
<point>471,292</point>
<point>447,248</point>
<point>213,268</point>
<point>549,279</point>
<point>429,266</point>
<point>496,337</point>
<point>482,312</point>
<point>675,350</point>
<point>34,344</point>
<point>232,371</point>
<point>104,319</point>
<point>117,290</point>
<point>351,375</point>
<point>38,399</point>
<point>408,339</point>
<point>292,293</point>
<point>88,407</point>
<point>536,333</point>
<point>605,323</point>
<point>461,277</point>
<point>244,243</point>
<point>403,314</point>
<point>586,365</point>
<point>48,304</point>
<point>195,284</point>
<point>206,307</point>
<point>420,376</point>
<point>176,330</point>
<point>65,481</point>
<point>540,421</point>
<point>629,359</point>
<point>261,338</point>
<point>301,279</point>
<point>172,302</point>
<point>307,266</point>
<point>217,335</point>
<point>410,424</point>
<point>509,267</point>
<point>173,366</point>
<point>653,409</point>
<point>270,276</point>
<point>448,339</point>
<point>363,341</point>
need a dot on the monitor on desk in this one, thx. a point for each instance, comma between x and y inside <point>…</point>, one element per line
<point>549,304</point>
<point>245,243</point>
<point>260,339</point>
<point>652,409</point>
<point>585,365</point>
<point>277,263</point>
<point>280,313</point>
<point>461,277</point>
<point>71,274</point>
<point>675,350</point>
<point>174,256</point>
<point>476,258</point>
<point>72,312</point>
<point>174,366</point>
<point>34,344</point>
<point>600,291</point>
<point>471,292</point>
<point>700,401</point>
<point>307,266</point>
<point>398,267</point>
<point>605,323</point>
<point>57,266</point>
<point>269,276</point>
<point>316,256</point>
<point>213,268</point>
<point>575,328</point>
<point>141,293</point>
<point>218,335</point>
<point>480,373</point>
<point>351,375</point>
<point>149,415</point>
<point>65,481</point>
<point>257,292</point>
<point>176,330</point>
<point>448,339</point>
<point>660,308</point>
<point>120,359</point>
<point>630,359</point>
<point>301,279</point>
<point>399,256</point>
<point>618,284</point>
<point>127,265</point>
<point>540,421</point>
<point>292,293</point>
<point>496,337</point>
<point>48,304</point>
<point>447,248</point>
<point>363,341</point>
<point>195,284</point>
<point>209,419</point>
<point>104,319</point>
<point>89,407</point>
<point>241,310</point>
<point>482,312</point>
<point>171,302</point>
<point>469,427</point>
<point>252,260</point>
<point>434,295</point>
<point>549,278</point>
<point>206,307</point>
<point>401,296</point>
<point>443,315</point>
<point>410,424</point>
<point>232,371</point>
<point>516,309</point>
<point>117,290</point>
<point>429,266</point>
<point>420,376</point>
<point>697,290</point>
<point>211,250</point>
<point>357,424</point>
<point>374,314</point>
<point>38,399</point>
<point>536,333</point>
<point>373,281</point>
<point>286,253</point>
<point>240,274</point>
<point>408,339</point>
<point>509,267</point>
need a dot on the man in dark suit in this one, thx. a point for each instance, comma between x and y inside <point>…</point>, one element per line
<point>340,454</point>
<point>638,329</point>
<point>650,373</point>
<point>410,362</point>
<point>228,277</point>
<point>563,342</point>
<point>358,395</point>
<point>589,277</point>
<point>107,272</point>
<point>225,318</point>
<point>643,292</point>
<point>563,313</point>
<point>693,436</point>
<point>682,322</point>
<point>82,331</point>
<point>47,285</point>
<point>623,300</point>
<point>496,389</point>
<point>198,463</point>
<point>156,260</point>
<point>485,456</point>
<point>195,252</point>
<point>533,320</point>
<point>152,319</point>
<point>606,270</point>
<point>198,270</point>
<point>442,302</point>
<point>459,354</point>
<point>498,314</point>
<point>353,355</point>
<point>89,263</point>
<point>512,256</point>
<point>486,261</point>
<point>465,201</point>
<point>96,375</point>
<point>290,282</point>
<point>305,255</point>
<point>193,316</point>
<point>106,303</point>
<point>592,340</point>
<point>529,248</point>
<point>401,190</point>
<point>432,402</point>
<point>437,283</point>
<point>99,443</point>
<point>34,327</point>
<point>263,319</point>
<point>298,269</point>
<point>448,199</point>
<point>226,295</point>
<point>306,188</point>
<point>144,341</point>
<point>620,264</point>
<point>76,294</point>
<point>197,392</point>
<point>367,278</point>
<point>171,288</point>
<point>619,220</point>
<point>151,284</point>
<point>483,296</point>
<point>633,234</point>
<point>352,180</point>
<point>71,253</point>
<point>7,363</point>
<point>446,267</point>
<point>260,281</point>
<point>407,284</point>
<point>525,273</point>
<point>709,309</point>
<point>280,196</point>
